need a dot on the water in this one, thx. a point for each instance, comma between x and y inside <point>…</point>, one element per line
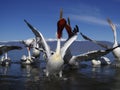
<point>32,77</point>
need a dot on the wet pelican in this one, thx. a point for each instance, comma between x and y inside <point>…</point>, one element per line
<point>66,53</point>
<point>5,60</point>
<point>100,60</point>
<point>27,59</point>
<point>96,54</point>
<point>116,51</point>
<point>55,60</point>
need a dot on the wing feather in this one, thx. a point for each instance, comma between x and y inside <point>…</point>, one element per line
<point>67,44</point>
<point>6,48</point>
<point>40,38</point>
<point>92,54</point>
<point>94,41</point>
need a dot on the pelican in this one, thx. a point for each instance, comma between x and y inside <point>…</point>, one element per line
<point>55,60</point>
<point>116,51</point>
<point>69,59</point>
<point>96,54</point>
<point>101,60</point>
<point>5,60</point>
<point>27,59</point>
<point>65,52</point>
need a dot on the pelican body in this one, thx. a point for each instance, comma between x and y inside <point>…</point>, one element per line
<point>55,62</point>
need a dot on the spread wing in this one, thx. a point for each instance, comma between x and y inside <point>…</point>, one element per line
<point>94,41</point>
<point>67,44</point>
<point>72,37</point>
<point>6,48</point>
<point>40,39</point>
<point>92,54</point>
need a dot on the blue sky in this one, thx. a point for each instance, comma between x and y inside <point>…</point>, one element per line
<point>89,15</point>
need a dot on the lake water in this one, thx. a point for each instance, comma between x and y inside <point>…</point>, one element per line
<point>32,77</point>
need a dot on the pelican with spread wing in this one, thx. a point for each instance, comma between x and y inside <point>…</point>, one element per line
<point>115,45</point>
<point>55,61</point>
<point>4,49</point>
<point>91,55</point>
<point>66,54</point>
<point>116,51</point>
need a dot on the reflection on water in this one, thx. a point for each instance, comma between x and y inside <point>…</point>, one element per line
<point>30,72</point>
<point>4,70</point>
<point>102,74</point>
<point>32,78</point>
